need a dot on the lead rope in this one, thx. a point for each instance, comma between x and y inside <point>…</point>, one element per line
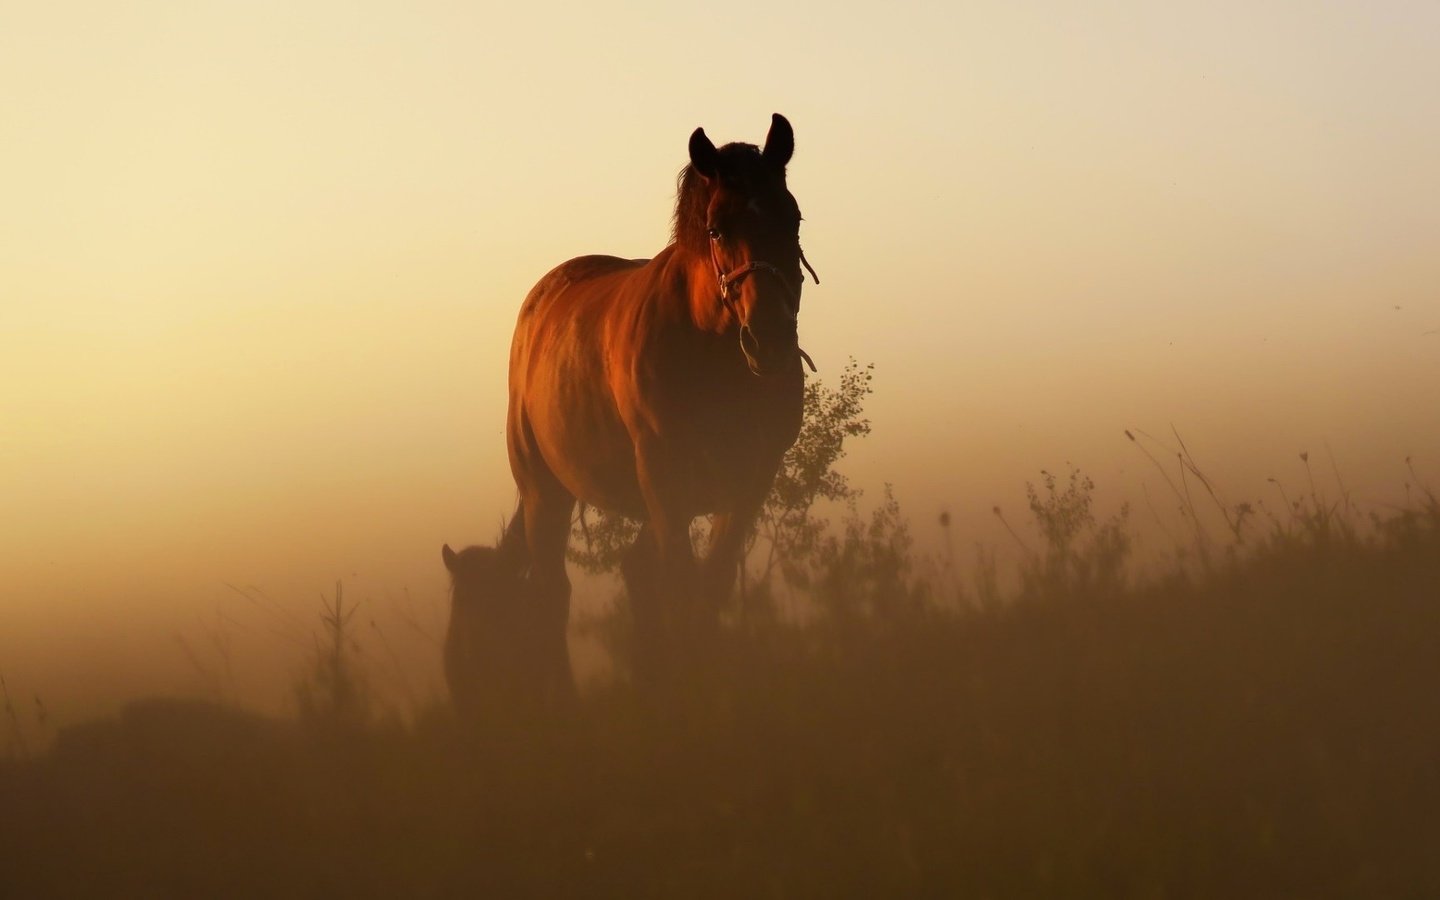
<point>815,278</point>
<point>809,268</point>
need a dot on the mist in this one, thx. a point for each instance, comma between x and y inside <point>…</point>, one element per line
<point>259,273</point>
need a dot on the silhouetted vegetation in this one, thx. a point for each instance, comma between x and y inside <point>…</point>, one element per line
<point>1256,721</point>
<point>332,690</point>
<point>788,526</point>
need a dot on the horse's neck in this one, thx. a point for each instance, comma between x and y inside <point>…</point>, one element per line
<point>693,276</point>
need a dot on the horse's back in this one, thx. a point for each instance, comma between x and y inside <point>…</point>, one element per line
<point>574,327</point>
<point>564,310</point>
<point>583,267</point>
<point>581,270</point>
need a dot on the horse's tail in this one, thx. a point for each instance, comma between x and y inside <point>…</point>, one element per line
<point>513,547</point>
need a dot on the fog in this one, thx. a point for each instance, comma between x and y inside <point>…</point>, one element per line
<point>260,266</point>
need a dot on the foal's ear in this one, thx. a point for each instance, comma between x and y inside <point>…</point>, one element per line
<point>450,557</point>
<point>703,155</point>
<point>779,143</point>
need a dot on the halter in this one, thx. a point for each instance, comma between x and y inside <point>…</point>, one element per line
<point>731,279</point>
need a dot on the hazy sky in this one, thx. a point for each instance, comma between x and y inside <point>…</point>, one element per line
<point>259,262</point>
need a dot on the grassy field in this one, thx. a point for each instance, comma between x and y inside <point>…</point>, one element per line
<point>1263,722</point>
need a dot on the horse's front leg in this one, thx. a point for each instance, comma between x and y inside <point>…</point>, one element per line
<point>639,567</point>
<point>659,583</point>
<point>663,487</point>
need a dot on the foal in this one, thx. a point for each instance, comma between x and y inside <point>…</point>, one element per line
<point>502,652</point>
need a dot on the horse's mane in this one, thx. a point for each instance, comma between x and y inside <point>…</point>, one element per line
<point>692,194</point>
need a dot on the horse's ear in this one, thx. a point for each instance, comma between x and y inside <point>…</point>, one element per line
<point>779,143</point>
<point>449,556</point>
<point>703,155</point>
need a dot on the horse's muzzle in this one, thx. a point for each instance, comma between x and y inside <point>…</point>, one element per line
<point>770,355</point>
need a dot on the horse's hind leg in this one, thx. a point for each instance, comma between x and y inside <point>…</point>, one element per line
<point>547,533</point>
<point>546,506</point>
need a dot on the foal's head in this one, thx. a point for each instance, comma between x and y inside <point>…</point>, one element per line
<point>735,211</point>
<point>487,623</point>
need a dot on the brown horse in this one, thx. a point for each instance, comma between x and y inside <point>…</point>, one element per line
<point>668,388</point>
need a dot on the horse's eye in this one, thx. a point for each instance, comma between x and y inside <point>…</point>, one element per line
<point>714,234</point>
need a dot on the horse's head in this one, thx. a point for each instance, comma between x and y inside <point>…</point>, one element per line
<point>737,214</point>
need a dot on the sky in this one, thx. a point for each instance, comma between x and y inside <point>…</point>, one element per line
<point>260,262</point>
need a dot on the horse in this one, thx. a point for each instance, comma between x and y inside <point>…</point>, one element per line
<point>501,653</point>
<point>664,389</point>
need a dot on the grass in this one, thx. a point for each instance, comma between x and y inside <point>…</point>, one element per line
<point>1259,722</point>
